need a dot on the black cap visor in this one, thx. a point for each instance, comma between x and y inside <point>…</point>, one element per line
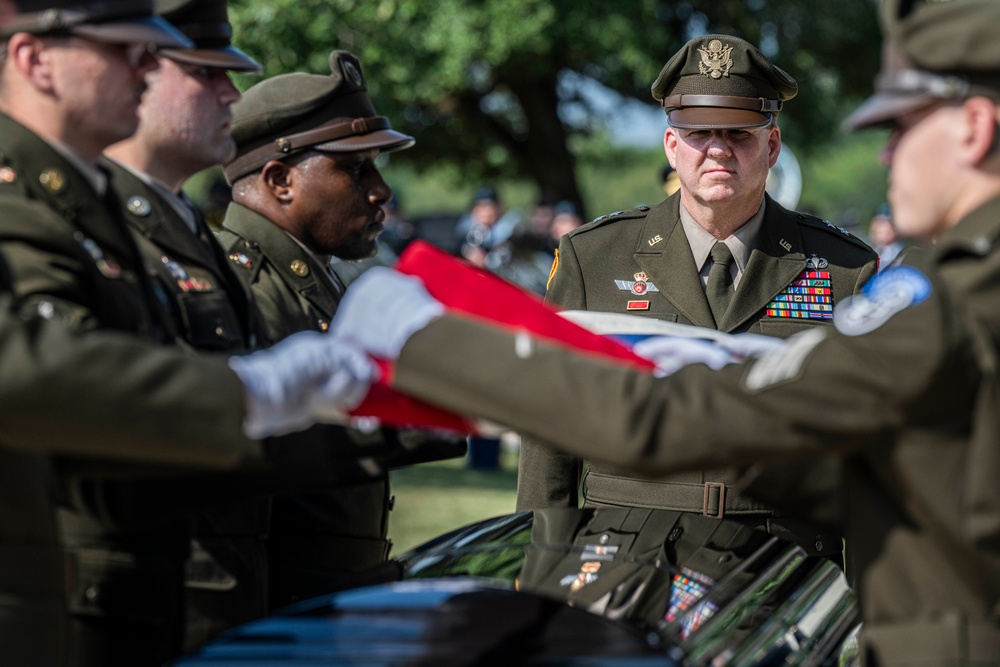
<point>226,57</point>
<point>139,30</point>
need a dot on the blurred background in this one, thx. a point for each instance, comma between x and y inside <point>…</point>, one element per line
<point>533,116</point>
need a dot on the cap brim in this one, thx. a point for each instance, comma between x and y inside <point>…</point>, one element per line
<point>882,108</point>
<point>145,30</point>
<point>226,57</point>
<point>384,140</point>
<point>716,118</point>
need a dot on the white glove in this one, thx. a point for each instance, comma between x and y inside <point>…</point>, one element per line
<point>306,378</point>
<point>671,353</point>
<point>382,309</point>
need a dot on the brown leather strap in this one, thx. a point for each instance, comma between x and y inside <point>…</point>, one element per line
<point>284,147</point>
<point>761,104</point>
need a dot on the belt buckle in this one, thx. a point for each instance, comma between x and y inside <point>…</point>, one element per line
<point>722,499</point>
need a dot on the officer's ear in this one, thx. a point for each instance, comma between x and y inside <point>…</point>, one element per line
<point>30,56</point>
<point>979,136</point>
<point>670,145</point>
<point>277,179</point>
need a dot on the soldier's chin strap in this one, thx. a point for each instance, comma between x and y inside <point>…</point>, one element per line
<point>758,104</point>
<point>288,145</point>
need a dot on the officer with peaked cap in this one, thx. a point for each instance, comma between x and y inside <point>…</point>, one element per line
<point>306,189</point>
<point>73,76</point>
<point>722,98</point>
<point>184,128</point>
<point>902,390</point>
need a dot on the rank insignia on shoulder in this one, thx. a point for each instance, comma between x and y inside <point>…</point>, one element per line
<point>299,268</point>
<point>839,229</point>
<point>241,259</point>
<point>139,206</point>
<point>107,268</point>
<point>639,286</point>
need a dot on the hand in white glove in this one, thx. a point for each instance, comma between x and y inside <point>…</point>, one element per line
<point>671,353</point>
<point>382,309</point>
<point>306,378</point>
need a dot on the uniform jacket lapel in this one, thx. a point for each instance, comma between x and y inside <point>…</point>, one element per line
<point>775,262</point>
<point>669,264</point>
<point>281,251</point>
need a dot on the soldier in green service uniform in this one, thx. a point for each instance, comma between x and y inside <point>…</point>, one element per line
<point>71,82</point>
<point>903,389</point>
<point>184,128</point>
<point>305,189</point>
<point>777,272</point>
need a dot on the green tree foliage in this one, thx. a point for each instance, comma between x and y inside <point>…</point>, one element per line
<point>484,83</point>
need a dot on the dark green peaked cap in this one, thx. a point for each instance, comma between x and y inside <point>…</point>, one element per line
<point>206,23</point>
<point>938,50</point>
<point>290,113</point>
<point>112,21</point>
<point>721,81</point>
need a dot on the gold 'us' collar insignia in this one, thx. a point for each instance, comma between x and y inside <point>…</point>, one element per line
<point>52,180</point>
<point>715,60</point>
<point>300,268</point>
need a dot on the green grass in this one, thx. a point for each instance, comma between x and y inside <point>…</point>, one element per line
<point>433,498</point>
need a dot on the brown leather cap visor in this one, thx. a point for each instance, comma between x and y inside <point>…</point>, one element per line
<point>226,57</point>
<point>140,30</point>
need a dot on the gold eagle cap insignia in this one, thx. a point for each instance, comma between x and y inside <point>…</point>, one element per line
<point>716,60</point>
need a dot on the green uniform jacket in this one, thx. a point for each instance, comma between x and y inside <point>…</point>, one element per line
<point>317,540</point>
<point>597,264</point>
<point>213,311</point>
<point>910,407</point>
<point>71,259</point>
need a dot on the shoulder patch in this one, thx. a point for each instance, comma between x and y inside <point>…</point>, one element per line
<point>893,290</point>
<point>833,230</point>
<point>637,212</point>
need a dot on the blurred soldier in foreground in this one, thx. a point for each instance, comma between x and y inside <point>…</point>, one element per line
<point>305,189</point>
<point>903,388</point>
<point>184,128</point>
<point>721,253</point>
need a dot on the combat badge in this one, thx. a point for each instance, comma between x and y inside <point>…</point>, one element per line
<point>893,290</point>
<point>715,60</point>
<point>639,286</point>
<point>107,268</point>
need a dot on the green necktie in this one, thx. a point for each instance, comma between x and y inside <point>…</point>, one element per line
<point>719,289</point>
